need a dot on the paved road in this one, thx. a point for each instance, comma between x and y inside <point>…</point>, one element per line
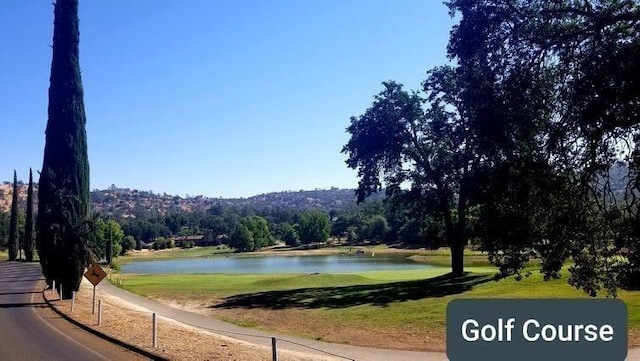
<point>30,330</point>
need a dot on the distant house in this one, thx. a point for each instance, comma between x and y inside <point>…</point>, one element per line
<point>195,240</point>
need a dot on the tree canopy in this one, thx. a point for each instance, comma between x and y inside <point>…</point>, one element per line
<point>514,143</point>
<point>314,226</point>
<point>63,195</point>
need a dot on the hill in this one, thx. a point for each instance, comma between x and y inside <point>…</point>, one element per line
<point>127,202</point>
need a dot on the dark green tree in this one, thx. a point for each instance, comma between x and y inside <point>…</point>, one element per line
<point>314,226</point>
<point>290,235</point>
<point>397,142</point>
<point>241,239</point>
<point>251,233</point>
<point>63,195</point>
<point>5,220</point>
<point>113,235</point>
<point>128,243</point>
<point>259,228</point>
<point>13,223</point>
<point>29,237</point>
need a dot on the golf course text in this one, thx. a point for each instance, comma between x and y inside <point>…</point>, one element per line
<point>532,331</point>
<point>537,329</point>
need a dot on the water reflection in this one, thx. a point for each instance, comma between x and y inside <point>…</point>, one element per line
<point>276,264</point>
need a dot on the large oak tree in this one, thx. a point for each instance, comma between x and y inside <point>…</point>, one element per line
<point>424,156</point>
<point>566,90</point>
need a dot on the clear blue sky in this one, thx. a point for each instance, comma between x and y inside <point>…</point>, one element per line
<point>215,97</point>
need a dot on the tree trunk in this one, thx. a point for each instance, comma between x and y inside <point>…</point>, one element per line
<point>457,257</point>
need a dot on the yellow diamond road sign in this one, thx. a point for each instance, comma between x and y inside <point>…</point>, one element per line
<point>95,274</point>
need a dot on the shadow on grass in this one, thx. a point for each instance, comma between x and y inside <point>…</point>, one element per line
<point>341,297</point>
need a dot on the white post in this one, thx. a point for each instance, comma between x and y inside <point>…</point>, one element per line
<point>93,306</point>
<point>73,300</point>
<point>274,349</point>
<point>53,286</point>
<point>60,293</point>
<point>154,330</point>
<point>99,312</point>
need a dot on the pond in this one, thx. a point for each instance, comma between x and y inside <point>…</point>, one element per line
<point>276,264</point>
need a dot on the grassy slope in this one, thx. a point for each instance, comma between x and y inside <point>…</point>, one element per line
<point>426,309</point>
<point>381,300</point>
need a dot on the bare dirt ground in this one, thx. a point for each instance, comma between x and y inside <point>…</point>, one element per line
<point>175,341</point>
<point>298,322</point>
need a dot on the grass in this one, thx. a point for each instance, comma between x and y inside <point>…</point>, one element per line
<point>174,253</point>
<point>397,309</point>
<point>226,285</point>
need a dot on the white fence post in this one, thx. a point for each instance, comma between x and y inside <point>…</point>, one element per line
<point>60,293</point>
<point>99,312</point>
<point>73,300</point>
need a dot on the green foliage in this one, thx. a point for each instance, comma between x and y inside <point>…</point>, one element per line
<point>242,239</point>
<point>314,226</point>
<point>376,228</point>
<point>29,236</point>
<point>187,244</point>
<point>128,243</point>
<point>260,230</point>
<point>435,147</point>
<point>163,243</point>
<point>63,192</point>
<point>290,235</point>
<point>352,235</point>
<point>145,230</point>
<point>113,238</point>
<point>4,227</point>
<point>13,224</point>
<point>558,88</point>
<point>114,265</point>
<point>251,233</point>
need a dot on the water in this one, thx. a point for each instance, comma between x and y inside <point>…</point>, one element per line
<point>276,264</point>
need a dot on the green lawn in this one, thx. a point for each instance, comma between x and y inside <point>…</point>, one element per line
<point>225,285</point>
<point>174,253</point>
<point>384,301</point>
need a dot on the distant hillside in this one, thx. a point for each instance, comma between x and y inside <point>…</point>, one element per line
<point>6,193</point>
<point>128,202</point>
<point>132,202</point>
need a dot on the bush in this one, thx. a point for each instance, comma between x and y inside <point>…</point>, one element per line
<point>162,243</point>
<point>187,244</point>
<point>114,265</point>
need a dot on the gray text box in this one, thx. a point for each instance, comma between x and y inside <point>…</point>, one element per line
<point>541,329</point>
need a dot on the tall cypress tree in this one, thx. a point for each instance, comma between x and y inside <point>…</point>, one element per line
<point>28,241</point>
<point>13,223</point>
<point>63,194</point>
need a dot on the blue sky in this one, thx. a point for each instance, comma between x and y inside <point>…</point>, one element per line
<point>215,97</point>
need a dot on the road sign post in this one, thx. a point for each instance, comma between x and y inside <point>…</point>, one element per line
<point>95,274</point>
